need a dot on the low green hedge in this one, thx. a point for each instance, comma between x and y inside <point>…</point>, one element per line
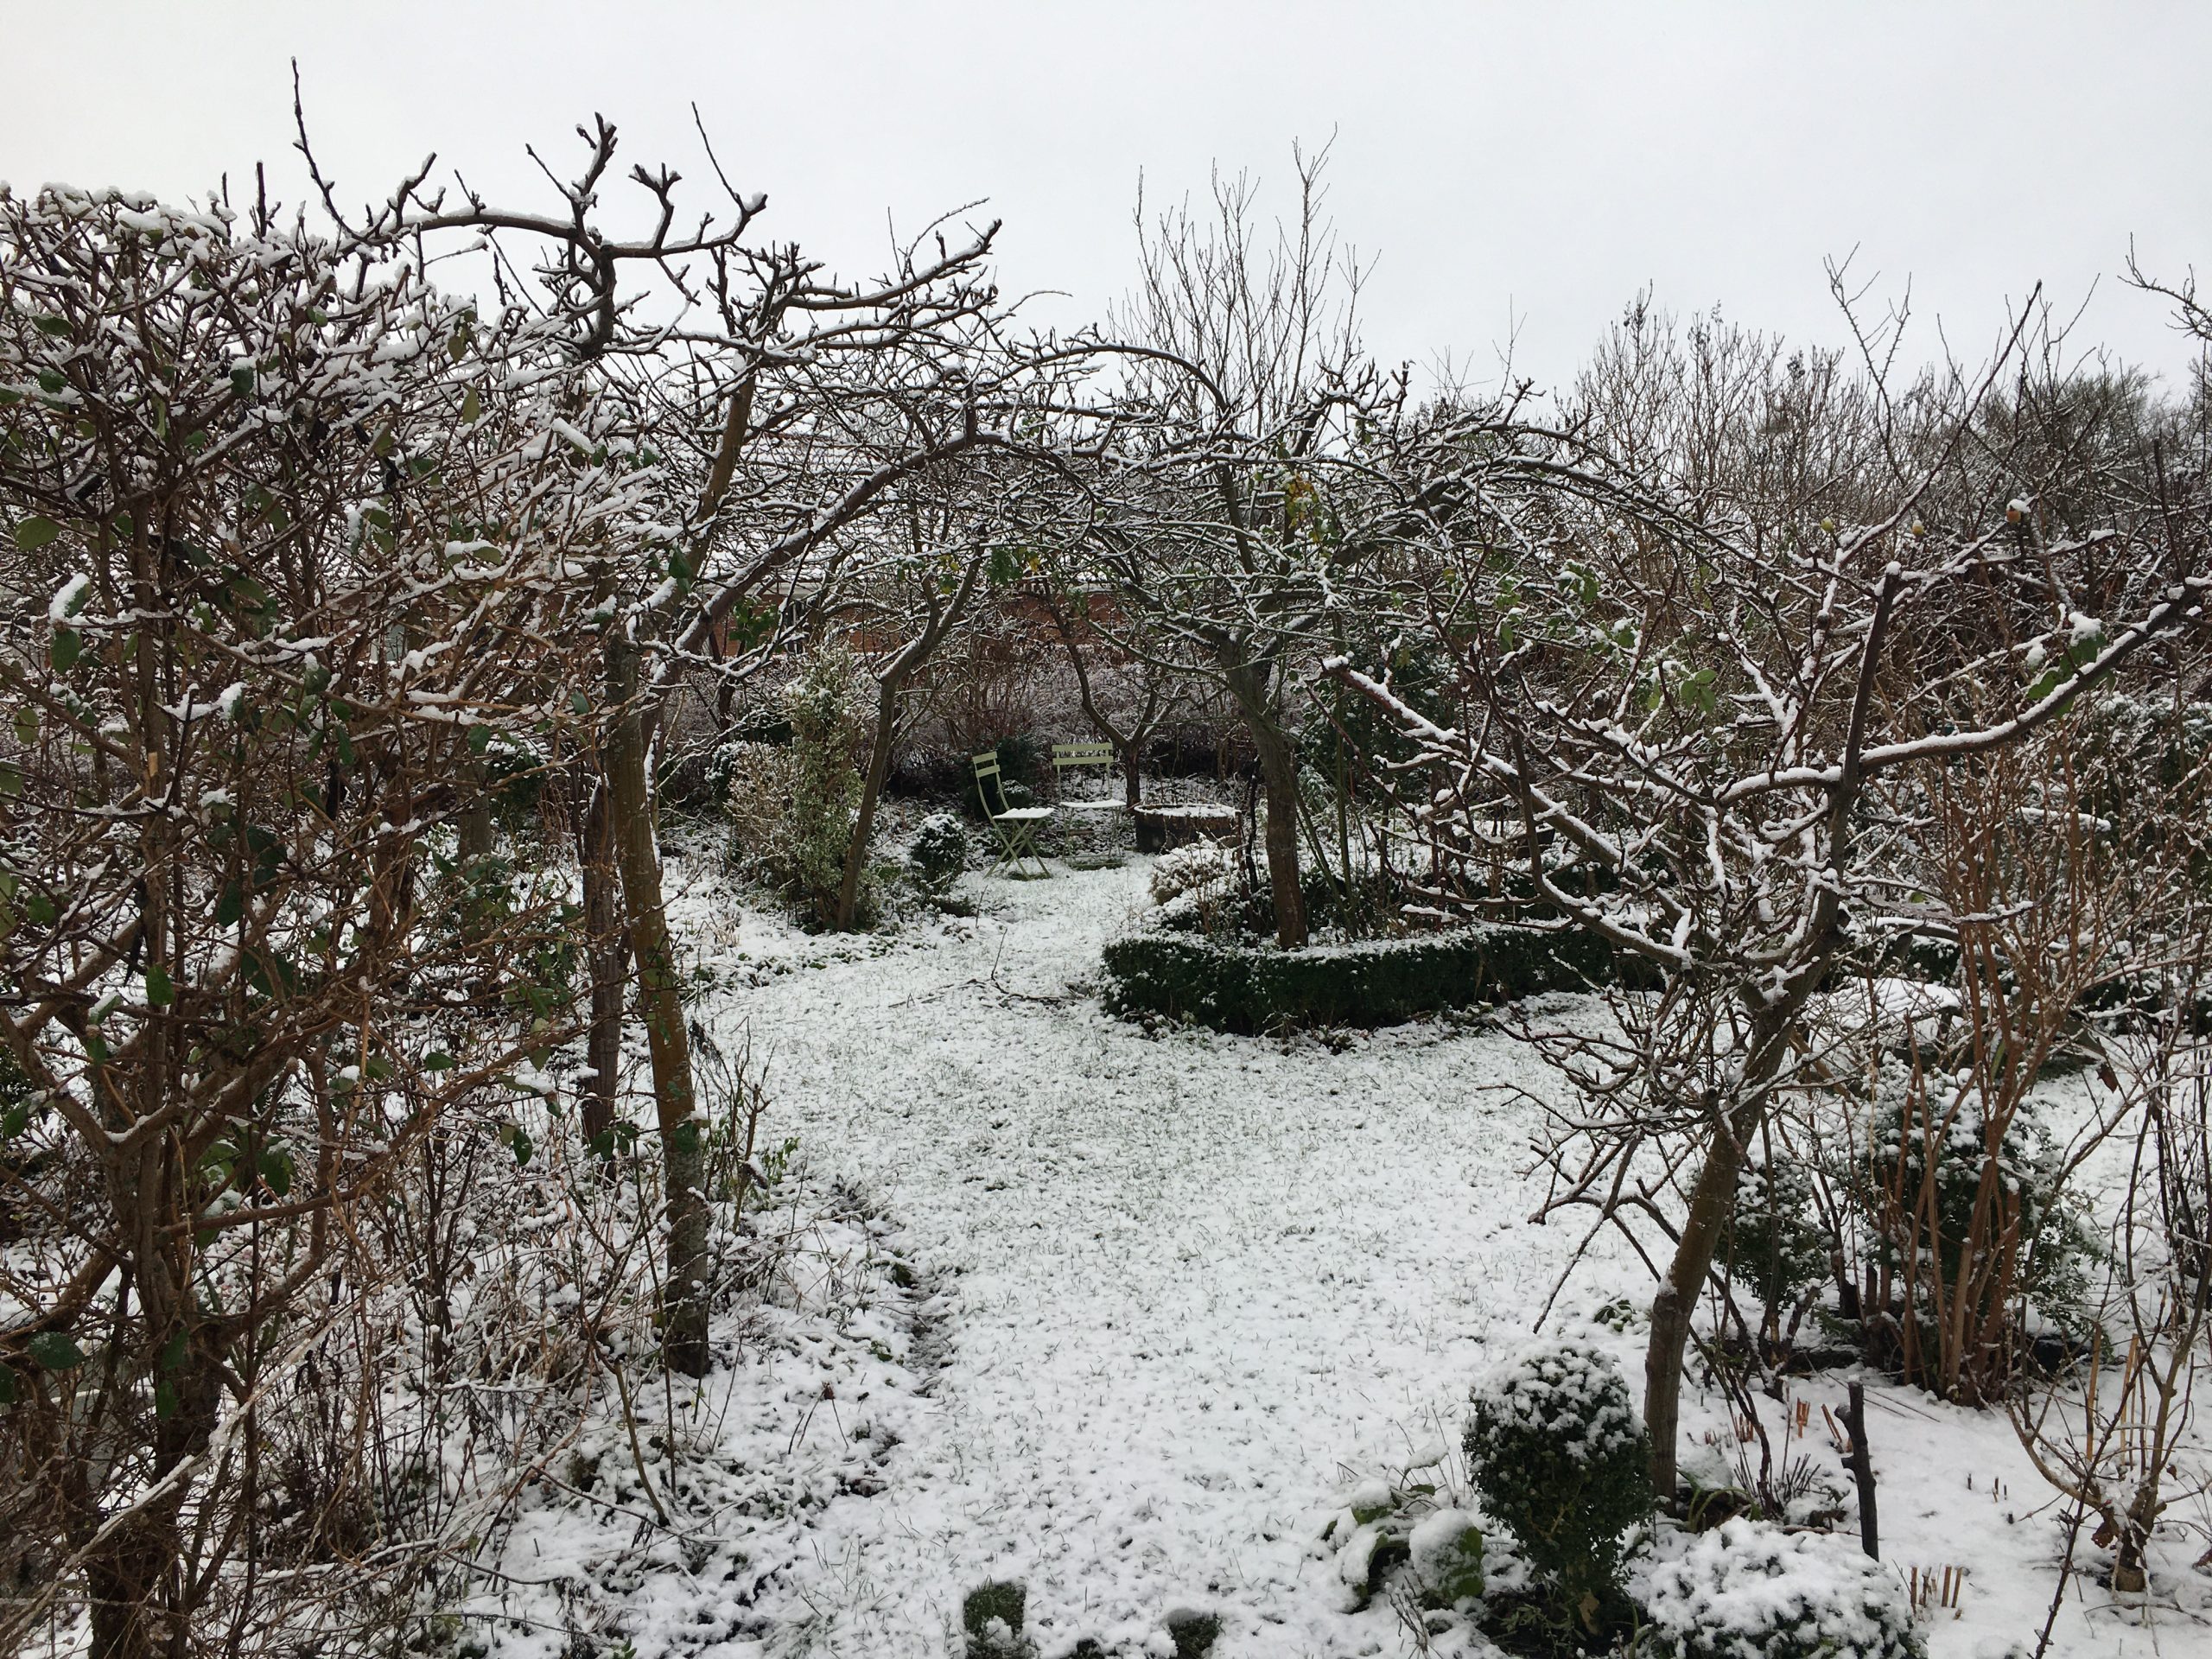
<point>1385,982</point>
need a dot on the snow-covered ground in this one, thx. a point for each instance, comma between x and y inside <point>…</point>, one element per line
<point>1171,1298</point>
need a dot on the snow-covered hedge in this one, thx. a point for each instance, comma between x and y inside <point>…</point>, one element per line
<point>1750,1591</point>
<point>1561,1459</point>
<point>1381,982</point>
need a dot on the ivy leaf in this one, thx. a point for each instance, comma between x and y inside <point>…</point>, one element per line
<point>437,1061</point>
<point>68,646</point>
<point>57,1350</point>
<point>27,725</point>
<point>519,1142</point>
<point>32,534</point>
<point>173,1352</point>
<point>160,991</point>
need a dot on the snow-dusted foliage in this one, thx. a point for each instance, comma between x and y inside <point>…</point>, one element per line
<point>1444,1550</point>
<point>306,540</point>
<point>1200,865</point>
<point>939,852</point>
<point>1560,1457</point>
<point>1749,1590</point>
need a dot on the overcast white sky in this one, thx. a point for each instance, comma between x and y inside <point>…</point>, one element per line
<point>1506,163</point>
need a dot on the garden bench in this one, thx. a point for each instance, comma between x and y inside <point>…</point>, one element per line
<point>1014,826</point>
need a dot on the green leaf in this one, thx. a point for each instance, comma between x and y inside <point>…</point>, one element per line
<point>437,1061</point>
<point>58,327</point>
<point>242,382</point>
<point>479,738</point>
<point>8,1391</point>
<point>160,993</point>
<point>11,781</point>
<point>15,1120</point>
<point>68,646</point>
<point>32,534</point>
<point>277,1171</point>
<point>519,1142</point>
<point>471,407</point>
<point>26,725</point>
<point>57,1350</point>
<point>579,703</point>
<point>41,909</point>
<point>172,1355</point>
<point>165,1404</point>
<point>230,905</point>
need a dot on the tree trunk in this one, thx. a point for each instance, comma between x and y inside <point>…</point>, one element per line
<point>1279,773</point>
<point>1248,685</point>
<point>1713,1200</point>
<point>607,954</point>
<point>1133,773</point>
<point>879,768</point>
<point>685,1293</point>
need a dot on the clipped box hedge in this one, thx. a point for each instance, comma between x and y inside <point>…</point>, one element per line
<point>1382,983</point>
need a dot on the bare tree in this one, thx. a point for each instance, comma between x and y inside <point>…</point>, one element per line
<point>784,405</point>
<point>1214,511</point>
<point>1690,697</point>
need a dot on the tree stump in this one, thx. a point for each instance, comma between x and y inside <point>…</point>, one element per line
<point>1161,829</point>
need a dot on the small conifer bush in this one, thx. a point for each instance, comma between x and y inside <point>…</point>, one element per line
<point>939,852</point>
<point>1562,1461</point>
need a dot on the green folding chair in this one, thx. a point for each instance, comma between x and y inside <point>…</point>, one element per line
<point>1015,827</point>
<point>1077,758</point>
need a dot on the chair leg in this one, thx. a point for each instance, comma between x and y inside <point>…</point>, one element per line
<point>1028,843</point>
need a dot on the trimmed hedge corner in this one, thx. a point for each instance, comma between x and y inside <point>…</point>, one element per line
<point>1385,982</point>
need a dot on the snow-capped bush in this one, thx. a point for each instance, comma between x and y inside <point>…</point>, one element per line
<point>939,852</point>
<point>1562,1461</point>
<point>1750,1591</point>
<point>1188,869</point>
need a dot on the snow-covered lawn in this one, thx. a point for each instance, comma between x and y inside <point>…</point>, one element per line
<point>1173,1296</point>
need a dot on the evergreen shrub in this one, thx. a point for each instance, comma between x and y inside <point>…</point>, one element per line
<point>1563,1463</point>
<point>1233,987</point>
<point>1749,1590</point>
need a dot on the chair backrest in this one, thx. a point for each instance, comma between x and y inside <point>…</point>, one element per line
<point>986,772</point>
<point>1066,755</point>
